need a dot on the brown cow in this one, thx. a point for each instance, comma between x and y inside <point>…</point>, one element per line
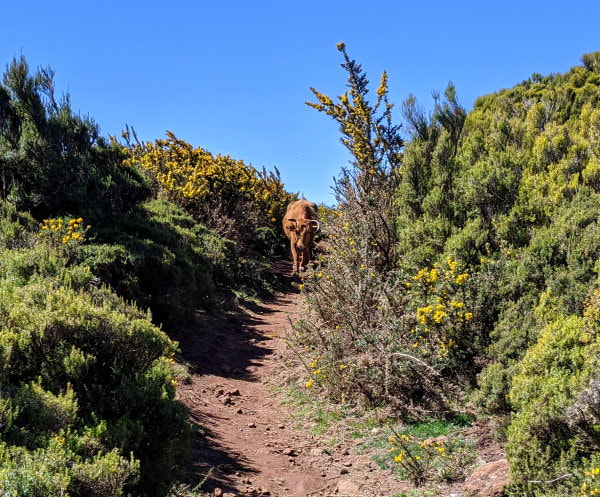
<point>300,224</point>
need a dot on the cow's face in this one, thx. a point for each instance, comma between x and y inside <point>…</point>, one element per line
<point>303,232</point>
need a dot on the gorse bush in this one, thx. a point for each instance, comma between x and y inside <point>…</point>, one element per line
<point>345,297</point>
<point>463,262</point>
<point>159,257</point>
<point>444,458</point>
<point>54,161</point>
<point>383,333</point>
<point>443,327</point>
<point>226,194</point>
<point>365,190</point>
<point>552,393</point>
<point>88,382</point>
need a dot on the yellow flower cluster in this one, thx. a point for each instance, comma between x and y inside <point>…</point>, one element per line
<point>427,275</point>
<point>448,273</point>
<point>190,176</point>
<point>591,485</point>
<point>318,373</point>
<point>436,321</point>
<point>416,455</point>
<point>67,231</point>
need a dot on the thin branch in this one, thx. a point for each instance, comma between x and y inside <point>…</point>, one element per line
<point>563,477</point>
<point>418,361</point>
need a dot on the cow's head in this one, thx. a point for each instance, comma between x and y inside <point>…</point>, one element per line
<point>303,231</point>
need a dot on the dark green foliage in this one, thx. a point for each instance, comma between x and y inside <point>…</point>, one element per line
<point>88,405</point>
<point>426,215</point>
<point>53,161</point>
<point>159,257</point>
<point>15,226</point>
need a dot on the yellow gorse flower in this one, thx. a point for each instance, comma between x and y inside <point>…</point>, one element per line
<point>190,175</point>
<point>66,230</point>
<point>436,322</point>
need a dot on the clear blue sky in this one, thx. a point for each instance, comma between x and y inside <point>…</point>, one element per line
<point>232,76</point>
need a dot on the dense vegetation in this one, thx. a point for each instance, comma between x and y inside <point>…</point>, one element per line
<point>97,252</point>
<point>464,267</point>
<point>461,277</point>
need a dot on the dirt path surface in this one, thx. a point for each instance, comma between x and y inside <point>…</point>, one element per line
<point>250,446</point>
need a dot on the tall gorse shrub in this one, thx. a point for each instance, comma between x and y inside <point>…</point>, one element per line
<point>365,190</point>
<point>53,160</point>
<point>372,331</point>
<point>353,329</point>
<point>346,304</point>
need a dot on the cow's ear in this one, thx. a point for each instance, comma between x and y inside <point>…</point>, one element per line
<point>314,226</point>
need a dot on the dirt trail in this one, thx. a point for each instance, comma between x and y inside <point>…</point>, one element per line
<point>250,447</point>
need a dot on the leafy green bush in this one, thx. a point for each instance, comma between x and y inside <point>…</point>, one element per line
<point>57,470</point>
<point>54,161</point>
<point>443,458</point>
<point>15,226</point>
<point>89,382</point>
<point>551,377</point>
<point>511,191</point>
<point>158,256</point>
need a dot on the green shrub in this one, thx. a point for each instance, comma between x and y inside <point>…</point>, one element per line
<point>548,278</point>
<point>541,444</point>
<point>443,458</point>
<point>82,366</point>
<point>158,257</point>
<point>15,227</point>
<point>56,470</point>
<point>54,161</point>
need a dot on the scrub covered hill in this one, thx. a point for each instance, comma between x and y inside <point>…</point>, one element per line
<point>98,264</point>
<point>461,270</point>
<point>464,267</point>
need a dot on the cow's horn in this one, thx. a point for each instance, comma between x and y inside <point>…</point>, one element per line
<point>314,221</point>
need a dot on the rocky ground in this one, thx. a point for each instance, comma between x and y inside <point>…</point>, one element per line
<point>251,442</point>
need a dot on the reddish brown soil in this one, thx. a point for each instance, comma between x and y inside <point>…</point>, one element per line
<point>248,444</point>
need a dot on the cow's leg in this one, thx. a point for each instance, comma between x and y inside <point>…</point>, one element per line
<point>304,259</point>
<point>311,249</point>
<point>295,259</point>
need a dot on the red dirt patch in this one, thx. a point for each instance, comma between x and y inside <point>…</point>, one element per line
<point>248,445</point>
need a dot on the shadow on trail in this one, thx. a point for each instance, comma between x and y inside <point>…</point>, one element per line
<point>228,344</point>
